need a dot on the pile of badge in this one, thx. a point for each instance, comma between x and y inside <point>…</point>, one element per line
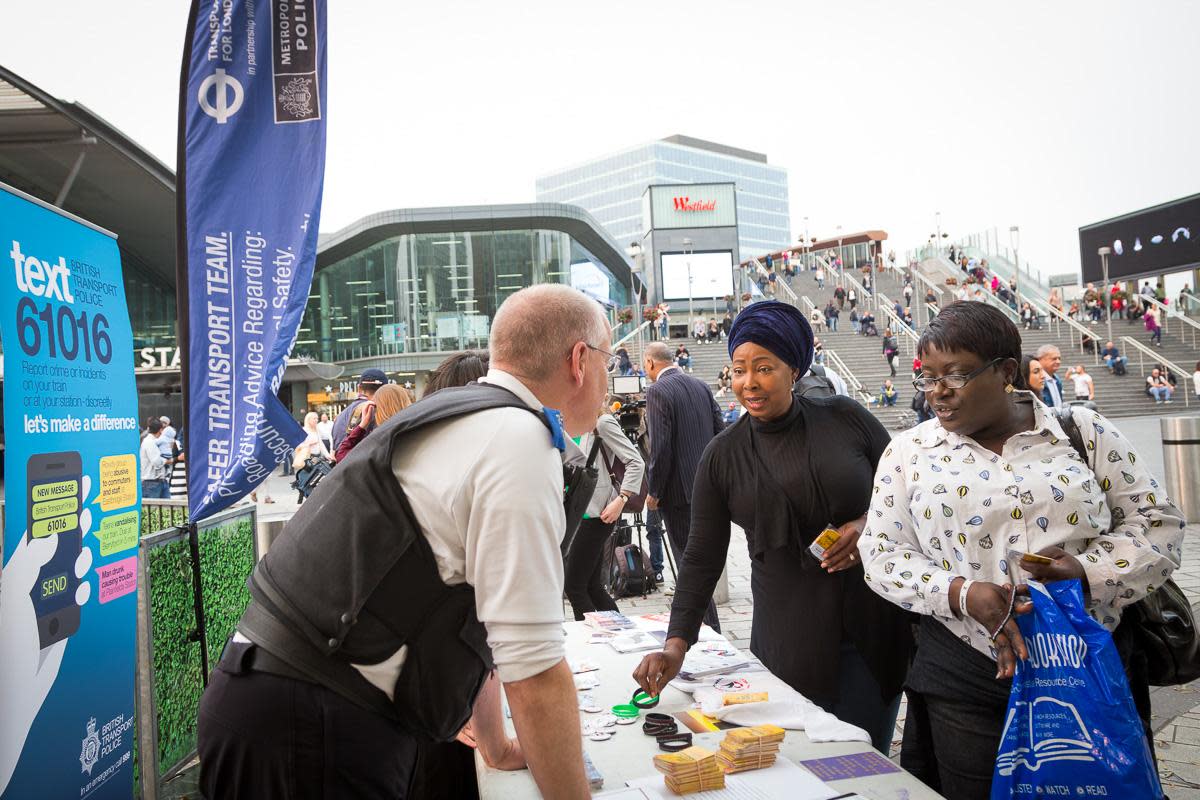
<point>750,748</point>
<point>692,770</point>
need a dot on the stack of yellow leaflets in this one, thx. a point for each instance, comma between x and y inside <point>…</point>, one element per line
<point>750,748</point>
<point>692,770</point>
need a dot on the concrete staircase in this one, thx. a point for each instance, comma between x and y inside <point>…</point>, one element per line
<point>1116,396</point>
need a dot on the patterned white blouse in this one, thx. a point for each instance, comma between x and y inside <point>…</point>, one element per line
<point>944,507</point>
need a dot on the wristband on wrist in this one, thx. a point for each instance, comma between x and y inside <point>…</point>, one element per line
<point>962,597</point>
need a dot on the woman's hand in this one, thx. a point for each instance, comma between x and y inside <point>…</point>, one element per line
<point>1065,567</point>
<point>657,669</point>
<point>368,414</point>
<point>988,604</point>
<point>612,511</point>
<point>844,552</point>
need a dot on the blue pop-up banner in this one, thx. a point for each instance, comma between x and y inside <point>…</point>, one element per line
<point>68,592</point>
<point>251,168</point>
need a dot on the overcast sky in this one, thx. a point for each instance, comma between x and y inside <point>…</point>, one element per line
<point>1043,115</point>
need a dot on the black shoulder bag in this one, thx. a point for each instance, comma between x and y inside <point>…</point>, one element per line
<point>1162,621</point>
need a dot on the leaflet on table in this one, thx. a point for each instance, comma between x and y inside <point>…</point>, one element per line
<point>635,642</point>
<point>609,621</point>
<point>712,658</point>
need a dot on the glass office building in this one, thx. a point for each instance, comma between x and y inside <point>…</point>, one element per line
<point>430,280</point>
<point>611,188</point>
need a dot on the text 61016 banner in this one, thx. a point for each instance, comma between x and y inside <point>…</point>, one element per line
<point>68,593</point>
<point>252,156</point>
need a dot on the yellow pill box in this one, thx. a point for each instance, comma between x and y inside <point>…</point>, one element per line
<point>823,542</point>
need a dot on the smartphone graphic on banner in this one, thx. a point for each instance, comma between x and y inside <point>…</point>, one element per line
<point>54,483</point>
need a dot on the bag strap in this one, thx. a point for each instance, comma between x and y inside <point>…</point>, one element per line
<point>1070,427</point>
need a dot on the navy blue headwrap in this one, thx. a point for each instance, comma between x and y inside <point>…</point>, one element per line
<point>780,328</point>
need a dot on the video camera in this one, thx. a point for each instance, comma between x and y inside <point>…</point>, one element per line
<point>629,404</point>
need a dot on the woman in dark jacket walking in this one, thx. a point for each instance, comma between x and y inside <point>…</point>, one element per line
<point>890,350</point>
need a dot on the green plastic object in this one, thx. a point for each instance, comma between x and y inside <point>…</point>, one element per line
<point>227,557</point>
<point>625,710</point>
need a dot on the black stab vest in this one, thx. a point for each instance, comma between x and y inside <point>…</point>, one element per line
<point>352,579</point>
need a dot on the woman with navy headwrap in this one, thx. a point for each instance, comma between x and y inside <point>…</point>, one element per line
<point>783,472</point>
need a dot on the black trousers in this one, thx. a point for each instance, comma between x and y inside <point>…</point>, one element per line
<point>678,520</point>
<point>265,736</point>
<point>583,578</point>
<point>951,744</point>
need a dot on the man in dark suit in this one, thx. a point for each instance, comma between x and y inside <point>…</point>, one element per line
<point>682,418</point>
<point>1052,389</point>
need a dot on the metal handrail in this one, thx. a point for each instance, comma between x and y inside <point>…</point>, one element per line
<point>1175,313</point>
<point>808,305</point>
<point>629,335</point>
<point>1164,312</point>
<point>843,370</point>
<point>852,382</point>
<point>1190,298</point>
<point>1062,317</point>
<point>1144,351</point>
<point>899,325</point>
<point>990,298</point>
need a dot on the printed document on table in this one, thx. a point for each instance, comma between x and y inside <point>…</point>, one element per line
<point>783,779</point>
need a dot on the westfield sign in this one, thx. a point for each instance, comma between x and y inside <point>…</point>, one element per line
<point>688,204</point>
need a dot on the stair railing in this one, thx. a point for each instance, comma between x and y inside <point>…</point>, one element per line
<point>1156,358</point>
<point>852,383</point>
<point>898,325</point>
<point>1165,314</point>
<point>1074,326</point>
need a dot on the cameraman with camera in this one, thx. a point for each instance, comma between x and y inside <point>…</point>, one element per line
<point>584,579</point>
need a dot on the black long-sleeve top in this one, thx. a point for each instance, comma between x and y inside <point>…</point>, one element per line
<point>783,482</point>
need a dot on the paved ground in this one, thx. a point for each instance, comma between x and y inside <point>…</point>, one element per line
<point>1176,709</point>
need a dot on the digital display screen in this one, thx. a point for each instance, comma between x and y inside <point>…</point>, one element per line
<point>626,384</point>
<point>1157,240</point>
<point>711,275</point>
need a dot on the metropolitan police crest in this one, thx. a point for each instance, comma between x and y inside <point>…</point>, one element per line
<point>90,751</point>
<point>296,97</point>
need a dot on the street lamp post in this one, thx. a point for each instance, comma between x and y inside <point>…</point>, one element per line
<point>808,253</point>
<point>635,252</point>
<point>841,259</point>
<point>938,241</point>
<point>687,251</point>
<point>1014,235</point>
<point>1104,253</point>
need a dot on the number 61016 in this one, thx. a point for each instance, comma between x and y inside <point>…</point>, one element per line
<point>65,333</point>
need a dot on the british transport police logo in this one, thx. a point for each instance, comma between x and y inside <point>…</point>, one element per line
<point>90,751</point>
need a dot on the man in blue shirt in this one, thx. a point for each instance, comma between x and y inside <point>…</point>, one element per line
<point>1113,358</point>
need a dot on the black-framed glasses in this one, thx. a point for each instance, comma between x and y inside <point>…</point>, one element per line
<point>924,383</point>
<point>612,359</point>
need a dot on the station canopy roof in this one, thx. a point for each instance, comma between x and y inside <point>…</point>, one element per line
<point>65,154</point>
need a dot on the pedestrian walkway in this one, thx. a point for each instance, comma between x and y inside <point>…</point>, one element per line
<point>1176,709</point>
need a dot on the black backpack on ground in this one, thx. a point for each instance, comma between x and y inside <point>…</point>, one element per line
<point>629,573</point>
<point>815,384</point>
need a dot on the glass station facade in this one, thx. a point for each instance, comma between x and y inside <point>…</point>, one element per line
<point>429,292</point>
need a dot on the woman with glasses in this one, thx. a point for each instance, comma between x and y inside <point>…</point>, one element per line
<point>959,498</point>
<point>786,470</point>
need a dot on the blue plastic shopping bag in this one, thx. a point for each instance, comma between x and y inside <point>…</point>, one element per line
<point>1071,729</point>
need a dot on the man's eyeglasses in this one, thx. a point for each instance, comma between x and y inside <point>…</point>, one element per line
<point>612,360</point>
<point>925,383</point>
